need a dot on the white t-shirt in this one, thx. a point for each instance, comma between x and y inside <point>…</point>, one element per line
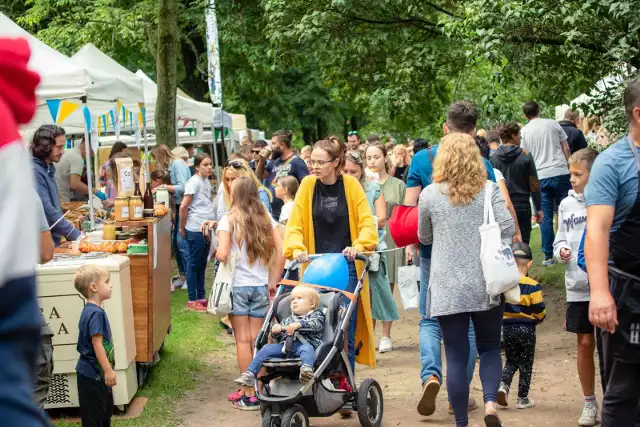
<point>201,208</point>
<point>543,138</point>
<point>285,213</point>
<point>498,174</point>
<point>246,274</point>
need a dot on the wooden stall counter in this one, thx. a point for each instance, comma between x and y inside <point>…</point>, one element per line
<point>150,287</point>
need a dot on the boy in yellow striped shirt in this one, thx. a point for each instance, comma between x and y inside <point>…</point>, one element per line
<point>519,331</point>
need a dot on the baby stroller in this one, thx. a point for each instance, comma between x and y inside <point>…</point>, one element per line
<point>287,402</point>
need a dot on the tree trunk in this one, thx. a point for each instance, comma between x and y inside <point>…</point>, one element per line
<point>166,67</point>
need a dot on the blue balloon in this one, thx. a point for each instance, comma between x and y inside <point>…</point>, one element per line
<point>329,270</point>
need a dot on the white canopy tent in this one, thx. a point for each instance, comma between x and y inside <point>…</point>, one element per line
<point>63,79</point>
<point>601,85</point>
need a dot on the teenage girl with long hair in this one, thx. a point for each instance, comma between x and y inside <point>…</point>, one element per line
<point>249,231</point>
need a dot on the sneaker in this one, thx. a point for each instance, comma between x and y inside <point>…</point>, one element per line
<point>524,403</point>
<point>492,419</point>
<point>227,329</point>
<point>247,403</point>
<point>306,373</point>
<point>471,405</point>
<point>386,345</point>
<point>589,416</point>
<point>177,282</point>
<point>196,306</point>
<point>236,395</point>
<point>503,395</point>
<point>427,403</point>
<point>203,302</point>
<point>247,379</point>
<point>548,262</point>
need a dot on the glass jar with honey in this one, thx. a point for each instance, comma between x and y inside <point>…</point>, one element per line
<point>121,208</point>
<point>135,208</point>
<point>109,230</point>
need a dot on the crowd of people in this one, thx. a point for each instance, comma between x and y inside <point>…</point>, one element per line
<point>274,205</point>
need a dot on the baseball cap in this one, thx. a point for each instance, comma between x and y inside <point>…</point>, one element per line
<point>521,250</point>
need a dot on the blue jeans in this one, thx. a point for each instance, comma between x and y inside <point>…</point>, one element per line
<point>351,341</point>
<point>197,264</point>
<point>19,343</point>
<point>305,352</point>
<point>179,245</point>
<point>487,325</point>
<point>431,336</point>
<point>554,190</point>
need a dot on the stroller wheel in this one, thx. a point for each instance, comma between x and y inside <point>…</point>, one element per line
<point>294,416</point>
<point>370,404</point>
<point>267,421</point>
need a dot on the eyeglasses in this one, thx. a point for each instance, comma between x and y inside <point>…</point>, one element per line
<point>319,162</point>
<point>236,164</point>
<point>353,132</point>
<point>256,151</point>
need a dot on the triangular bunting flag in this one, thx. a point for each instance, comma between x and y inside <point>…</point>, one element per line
<point>143,110</point>
<point>185,123</point>
<point>118,105</point>
<point>104,122</point>
<point>87,118</point>
<point>54,105</point>
<point>113,119</point>
<point>99,124</point>
<point>130,120</point>
<point>66,108</point>
<point>124,116</point>
<point>140,122</point>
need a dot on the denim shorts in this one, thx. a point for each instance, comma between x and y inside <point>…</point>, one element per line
<point>250,301</point>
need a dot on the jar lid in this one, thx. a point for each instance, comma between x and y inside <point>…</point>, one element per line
<point>122,198</point>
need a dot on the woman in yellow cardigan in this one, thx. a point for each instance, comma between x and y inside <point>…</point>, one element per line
<point>331,215</point>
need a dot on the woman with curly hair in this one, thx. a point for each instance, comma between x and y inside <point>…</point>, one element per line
<point>451,210</point>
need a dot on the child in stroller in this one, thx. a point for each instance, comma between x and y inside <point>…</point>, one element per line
<point>305,315</point>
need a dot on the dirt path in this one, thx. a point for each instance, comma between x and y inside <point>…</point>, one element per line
<point>555,386</point>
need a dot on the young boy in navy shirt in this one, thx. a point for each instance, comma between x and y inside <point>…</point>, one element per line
<point>95,366</point>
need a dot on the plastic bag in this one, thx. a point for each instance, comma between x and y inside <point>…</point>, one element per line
<point>409,286</point>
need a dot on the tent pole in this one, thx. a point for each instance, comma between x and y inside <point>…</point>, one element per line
<point>87,153</point>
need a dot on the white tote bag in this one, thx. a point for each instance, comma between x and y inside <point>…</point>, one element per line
<point>409,285</point>
<point>221,297</point>
<point>498,263</point>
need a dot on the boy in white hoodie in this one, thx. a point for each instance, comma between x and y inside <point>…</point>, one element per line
<point>572,220</point>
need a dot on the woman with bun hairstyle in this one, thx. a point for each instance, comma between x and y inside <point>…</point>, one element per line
<point>331,214</point>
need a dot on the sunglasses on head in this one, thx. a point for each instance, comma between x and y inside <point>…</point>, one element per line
<point>236,164</point>
<point>355,156</point>
<point>353,132</point>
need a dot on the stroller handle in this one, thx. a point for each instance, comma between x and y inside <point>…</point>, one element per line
<point>359,257</point>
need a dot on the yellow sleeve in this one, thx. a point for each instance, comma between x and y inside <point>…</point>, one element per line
<point>294,233</point>
<point>367,239</point>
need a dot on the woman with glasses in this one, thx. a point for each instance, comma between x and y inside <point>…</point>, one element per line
<point>393,191</point>
<point>383,306</point>
<point>179,174</point>
<point>331,215</point>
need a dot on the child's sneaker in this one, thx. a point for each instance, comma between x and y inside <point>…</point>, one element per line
<point>548,262</point>
<point>247,378</point>
<point>306,373</point>
<point>589,416</point>
<point>247,404</point>
<point>524,403</point>
<point>503,395</point>
<point>196,306</point>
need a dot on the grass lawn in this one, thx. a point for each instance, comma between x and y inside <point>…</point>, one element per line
<point>193,336</point>
<point>547,276</point>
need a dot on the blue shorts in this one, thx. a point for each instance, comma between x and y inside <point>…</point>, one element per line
<point>250,301</point>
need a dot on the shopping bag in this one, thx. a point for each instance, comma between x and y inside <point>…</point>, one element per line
<point>498,263</point>
<point>409,285</point>
<point>221,296</point>
<point>512,296</point>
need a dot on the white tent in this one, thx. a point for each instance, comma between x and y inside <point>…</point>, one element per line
<point>601,85</point>
<point>186,107</point>
<point>65,80</point>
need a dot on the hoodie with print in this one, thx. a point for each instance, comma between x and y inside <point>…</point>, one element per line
<point>572,220</point>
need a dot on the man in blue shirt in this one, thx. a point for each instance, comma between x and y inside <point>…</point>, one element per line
<point>461,117</point>
<point>284,162</point>
<point>613,266</point>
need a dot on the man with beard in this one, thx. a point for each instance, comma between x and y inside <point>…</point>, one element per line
<point>47,147</point>
<point>283,162</point>
<point>353,140</point>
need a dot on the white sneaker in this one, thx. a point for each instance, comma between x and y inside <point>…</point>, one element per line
<point>503,395</point>
<point>386,345</point>
<point>589,416</point>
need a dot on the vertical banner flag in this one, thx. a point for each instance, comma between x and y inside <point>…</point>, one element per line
<point>54,106</point>
<point>213,54</point>
<point>66,108</point>
<point>95,138</point>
